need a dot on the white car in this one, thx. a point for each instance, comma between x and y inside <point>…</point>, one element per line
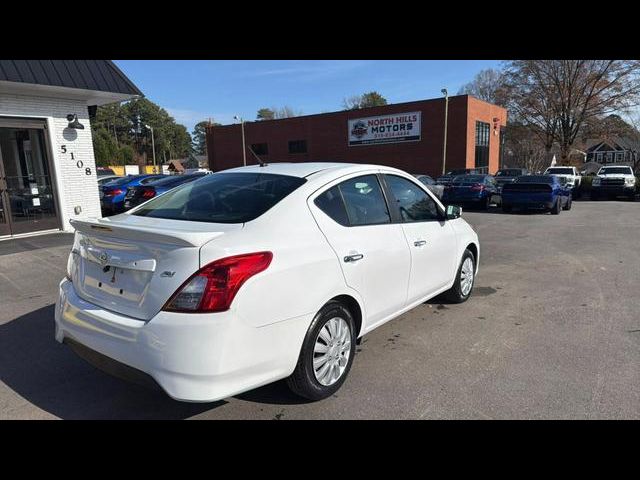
<point>571,176</point>
<point>255,274</point>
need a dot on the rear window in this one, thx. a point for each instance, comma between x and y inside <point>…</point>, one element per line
<point>560,171</point>
<point>222,198</point>
<point>119,181</point>
<point>469,179</point>
<point>616,171</point>
<point>147,180</point>
<point>535,179</point>
<point>509,173</point>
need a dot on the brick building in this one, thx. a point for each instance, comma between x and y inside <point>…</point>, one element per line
<point>407,135</point>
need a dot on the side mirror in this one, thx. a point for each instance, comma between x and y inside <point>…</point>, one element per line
<point>453,212</point>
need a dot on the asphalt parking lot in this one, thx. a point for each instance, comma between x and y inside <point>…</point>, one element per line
<point>551,331</point>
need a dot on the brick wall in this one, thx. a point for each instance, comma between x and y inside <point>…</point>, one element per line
<point>326,136</point>
<point>72,185</point>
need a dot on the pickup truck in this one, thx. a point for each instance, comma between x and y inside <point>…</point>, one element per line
<point>571,175</point>
<point>614,182</point>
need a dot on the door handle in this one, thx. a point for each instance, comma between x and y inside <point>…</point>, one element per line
<point>353,258</point>
<point>419,243</point>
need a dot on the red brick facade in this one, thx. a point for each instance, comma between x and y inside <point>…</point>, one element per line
<point>326,136</point>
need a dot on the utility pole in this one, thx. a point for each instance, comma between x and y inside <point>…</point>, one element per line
<point>446,115</point>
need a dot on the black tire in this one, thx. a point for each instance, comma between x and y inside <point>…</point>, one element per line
<point>594,197</point>
<point>555,210</point>
<point>454,294</point>
<point>303,381</point>
<point>568,204</point>
<point>487,203</point>
<point>507,208</point>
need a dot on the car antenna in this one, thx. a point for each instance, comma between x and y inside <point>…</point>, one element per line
<point>260,161</point>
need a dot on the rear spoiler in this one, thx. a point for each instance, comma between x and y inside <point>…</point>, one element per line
<point>171,236</point>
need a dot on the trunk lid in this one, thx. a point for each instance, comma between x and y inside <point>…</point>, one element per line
<point>132,265</point>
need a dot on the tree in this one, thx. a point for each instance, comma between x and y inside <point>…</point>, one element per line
<point>120,134</point>
<point>488,85</point>
<point>369,99</point>
<point>266,114</point>
<point>199,136</point>
<point>524,148</point>
<point>559,96</point>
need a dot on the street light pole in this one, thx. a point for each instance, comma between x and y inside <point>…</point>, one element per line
<point>244,149</point>
<point>153,149</point>
<point>446,115</point>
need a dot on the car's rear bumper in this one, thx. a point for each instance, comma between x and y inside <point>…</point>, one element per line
<point>193,357</point>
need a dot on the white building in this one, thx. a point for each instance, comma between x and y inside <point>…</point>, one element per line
<point>47,166</point>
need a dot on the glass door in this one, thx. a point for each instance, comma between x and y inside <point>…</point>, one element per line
<point>28,197</point>
<point>4,213</point>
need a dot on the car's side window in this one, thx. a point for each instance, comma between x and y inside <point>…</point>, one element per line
<point>330,202</point>
<point>414,203</point>
<point>364,201</point>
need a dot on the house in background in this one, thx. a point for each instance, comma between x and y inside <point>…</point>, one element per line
<point>615,150</point>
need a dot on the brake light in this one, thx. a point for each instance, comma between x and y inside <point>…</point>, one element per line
<point>148,193</point>
<point>214,286</point>
<point>115,191</point>
<point>477,187</point>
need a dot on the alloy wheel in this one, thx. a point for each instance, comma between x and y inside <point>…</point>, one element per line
<point>331,351</point>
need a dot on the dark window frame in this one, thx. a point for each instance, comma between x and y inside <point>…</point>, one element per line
<point>293,144</point>
<point>482,144</point>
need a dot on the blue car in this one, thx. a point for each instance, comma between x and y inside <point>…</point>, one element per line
<point>141,193</point>
<point>112,193</point>
<point>536,192</point>
<point>477,190</point>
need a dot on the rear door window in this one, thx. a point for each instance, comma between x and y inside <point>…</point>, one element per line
<point>222,198</point>
<point>330,202</point>
<point>364,201</point>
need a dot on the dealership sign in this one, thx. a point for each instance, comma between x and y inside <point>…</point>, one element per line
<point>398,127</point>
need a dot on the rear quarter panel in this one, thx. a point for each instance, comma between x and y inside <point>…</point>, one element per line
<point>303,275</point>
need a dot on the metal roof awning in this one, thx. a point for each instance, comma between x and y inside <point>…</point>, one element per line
<point>95,81</point>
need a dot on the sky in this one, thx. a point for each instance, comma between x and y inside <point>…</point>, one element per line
<point>196,90</point>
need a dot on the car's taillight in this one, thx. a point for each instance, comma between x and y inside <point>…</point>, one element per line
<point>149,192</point>
<point>477,187</point>
<point>112,193</point>
<point>214,286</point>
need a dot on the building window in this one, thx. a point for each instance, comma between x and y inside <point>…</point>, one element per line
<point>298,146</point>
<point>482,144</point>
<point>609,157</point>
<point>599,157</point>
<point>619,157</point>
<point>260,148</point>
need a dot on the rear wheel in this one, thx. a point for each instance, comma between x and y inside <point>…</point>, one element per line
<point>506,208</point>
<point>327,353</point>
<point>594,196</point>
<point>568,204</point>
<point>465,277</point>
<point>555,210</point>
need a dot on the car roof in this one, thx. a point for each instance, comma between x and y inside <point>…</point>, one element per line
<point>305,169</point>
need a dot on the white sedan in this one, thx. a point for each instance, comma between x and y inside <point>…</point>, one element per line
<point>259,273</point>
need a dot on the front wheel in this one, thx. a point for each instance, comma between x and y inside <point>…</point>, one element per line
<point>555,210</point>
<point>463,284</point>
<point>327,353</point>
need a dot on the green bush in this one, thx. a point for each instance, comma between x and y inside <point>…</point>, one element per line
<point>585,184</point>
